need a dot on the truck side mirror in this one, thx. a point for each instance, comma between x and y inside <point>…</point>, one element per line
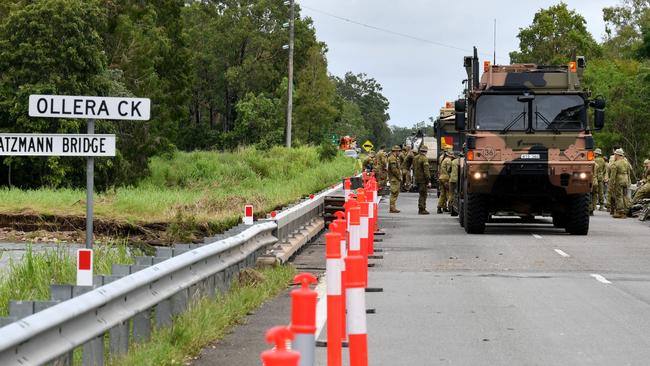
<point>460,106</point>
<point>599,119</point>
<point>599,112</point>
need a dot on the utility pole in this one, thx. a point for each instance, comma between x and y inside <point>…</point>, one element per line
<point>290,88</point>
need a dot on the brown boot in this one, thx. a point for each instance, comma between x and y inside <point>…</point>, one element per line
<point>619,215</point>
<point>394,210</point>
<point>423,212</point>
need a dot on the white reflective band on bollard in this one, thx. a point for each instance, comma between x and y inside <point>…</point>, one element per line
<point>356,306</point>
<point>355,238</point>
<point>364,227</point>
<point>333,268</point>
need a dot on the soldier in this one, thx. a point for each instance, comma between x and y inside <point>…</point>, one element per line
<point>453,179</point>
<point>598,182</point>
<point>406,169</point>
<point>610,162</point>
<point>443,182</point>
<point>422,177</point>
<point>369,163</point>
<point>395,177</point>
<point>618,184</point>
<point>644,191</point>
<point>380,168</point>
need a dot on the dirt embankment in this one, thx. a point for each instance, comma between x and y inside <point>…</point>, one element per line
<point>32,227</point>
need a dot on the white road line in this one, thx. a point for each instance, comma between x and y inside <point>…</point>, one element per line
<point>562,253</point>
<point>600,278</point>
<point>321,307</point>
<point>537,236</point>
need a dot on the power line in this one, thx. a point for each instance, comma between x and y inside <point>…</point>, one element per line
<point>399,34</point>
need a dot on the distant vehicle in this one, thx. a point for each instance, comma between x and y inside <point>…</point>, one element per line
<point>529,145</point>
<point>351,154</point>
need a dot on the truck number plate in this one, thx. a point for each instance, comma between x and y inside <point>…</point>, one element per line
<point>530,156</point>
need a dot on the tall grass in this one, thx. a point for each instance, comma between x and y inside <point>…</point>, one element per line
<point>209,187</point>
<point>206,321</point>
<point>30,277</point>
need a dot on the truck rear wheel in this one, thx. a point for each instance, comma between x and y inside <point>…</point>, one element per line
<point>559,220</point>
<point>577,220</point>
<point>475,213</point>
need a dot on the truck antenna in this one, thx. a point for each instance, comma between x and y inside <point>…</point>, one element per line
<point>494,62</point>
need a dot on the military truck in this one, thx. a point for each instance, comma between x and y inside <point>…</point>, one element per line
<point>444,127</point>
<point>529,146</point>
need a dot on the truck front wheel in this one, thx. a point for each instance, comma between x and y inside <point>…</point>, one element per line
<point>577,219</point>
<point>475,213</point>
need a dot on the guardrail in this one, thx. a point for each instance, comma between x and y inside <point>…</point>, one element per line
<point>124,309</point>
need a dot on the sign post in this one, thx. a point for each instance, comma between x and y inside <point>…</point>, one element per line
<point>90,189</point>
<point>90,145</point>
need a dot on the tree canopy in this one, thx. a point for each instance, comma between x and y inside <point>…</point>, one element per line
<point>556,35</point>
<point>216,72</point>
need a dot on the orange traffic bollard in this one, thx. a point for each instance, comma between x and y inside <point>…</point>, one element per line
<point>303,318</point>
<point>334,298</point>
<point>347,187</point>
<point>364,218</point>
<point>280,355</point>
<point>356,282</point>
<point>372,218</point>
<point>341,228</point>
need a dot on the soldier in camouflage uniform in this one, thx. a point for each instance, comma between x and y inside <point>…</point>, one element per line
<point>443,183</point>
<point>610,162</point>
<point>406,169</point>
<point>453,180</point>
<point>369,163</point>
<point>644,191</point>
<point>619,181</point>
<point>395,177</point>
<point>380,169</point>
<point>597,190</point>
<point>422,177</point>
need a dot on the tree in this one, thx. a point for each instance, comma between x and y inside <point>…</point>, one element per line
<point>625,84</point>
<point>624,27</point>
<point>366,94</point>
<point>62,55</point>
<point>556,35</point>
<point>315,93</point>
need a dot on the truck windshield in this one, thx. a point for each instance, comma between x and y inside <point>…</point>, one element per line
<point>552,113</point>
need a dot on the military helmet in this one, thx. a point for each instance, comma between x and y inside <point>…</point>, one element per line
<point>598,151</point>
<point>424,148</point>
<point>646,161</point>
<point>620,152</point>
<point>372,154</point>
<point>396,148</point>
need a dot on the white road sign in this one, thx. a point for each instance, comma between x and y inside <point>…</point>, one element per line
<point>14,144</point>
<point>67,106</point>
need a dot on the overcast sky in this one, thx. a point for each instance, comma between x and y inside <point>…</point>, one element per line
<point>418,77</point>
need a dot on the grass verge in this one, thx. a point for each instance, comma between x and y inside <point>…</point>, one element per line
<point>207,320</point>
<point>195,192</point>
<point>30,277</point>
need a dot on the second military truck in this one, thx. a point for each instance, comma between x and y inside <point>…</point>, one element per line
<point>528,144</point>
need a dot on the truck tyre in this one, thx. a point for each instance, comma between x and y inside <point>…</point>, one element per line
<point>461,212</point>
<point>476,213</point>
<point>577,221</point>
<point>559,220</point>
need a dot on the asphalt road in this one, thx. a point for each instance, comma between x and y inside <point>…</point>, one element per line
<point>521,294</point>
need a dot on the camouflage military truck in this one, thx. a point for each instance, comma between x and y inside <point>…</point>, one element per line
<point>446,135</point>
<point>529,147</point>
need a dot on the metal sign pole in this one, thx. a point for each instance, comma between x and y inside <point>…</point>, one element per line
<point>90,188</point>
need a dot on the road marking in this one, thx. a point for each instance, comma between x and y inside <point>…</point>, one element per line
<point>600,278</point>
<point>537,236</point>
<point>321,307</point>
<point>562,253</point>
